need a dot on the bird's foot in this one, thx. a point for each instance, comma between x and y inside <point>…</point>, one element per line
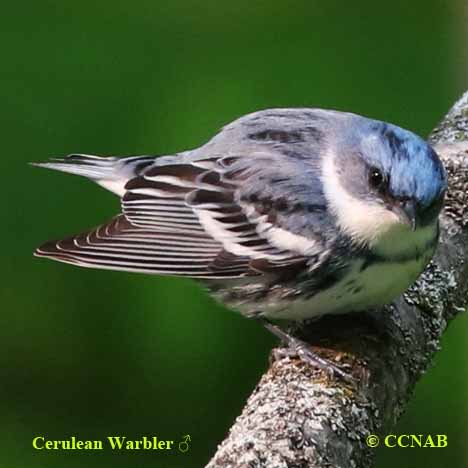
<point>299,348</point>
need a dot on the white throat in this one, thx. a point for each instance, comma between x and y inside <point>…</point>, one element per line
<point>364,222</point>
<point>367,223</point>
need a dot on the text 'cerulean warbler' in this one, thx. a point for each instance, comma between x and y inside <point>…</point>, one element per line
<point>285,214</point>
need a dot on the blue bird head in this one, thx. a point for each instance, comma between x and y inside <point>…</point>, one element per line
<point>402,171</point>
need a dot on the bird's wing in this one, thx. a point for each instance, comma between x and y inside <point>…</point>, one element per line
<point>219,217</point>
<point>119,245</point>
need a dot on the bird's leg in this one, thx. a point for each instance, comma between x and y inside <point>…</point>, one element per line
<point>298,347</point>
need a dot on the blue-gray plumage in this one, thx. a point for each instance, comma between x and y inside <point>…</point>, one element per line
<point>286,213</point>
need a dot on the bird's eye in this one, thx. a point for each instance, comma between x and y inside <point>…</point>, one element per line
<point>376,179</point>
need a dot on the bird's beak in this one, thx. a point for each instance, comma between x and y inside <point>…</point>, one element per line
<point>406,212</point>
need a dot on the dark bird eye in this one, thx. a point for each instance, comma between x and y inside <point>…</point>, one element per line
<point>376,179</point>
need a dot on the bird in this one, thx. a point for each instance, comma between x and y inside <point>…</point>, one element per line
<point>285,214</point>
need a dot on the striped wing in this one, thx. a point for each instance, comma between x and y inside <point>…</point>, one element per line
<point>192,219</point>
<point>119,245</point>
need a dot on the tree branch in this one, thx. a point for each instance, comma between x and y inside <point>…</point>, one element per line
<point>299,417</point>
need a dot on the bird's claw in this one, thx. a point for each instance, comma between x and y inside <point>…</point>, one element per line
<point>301,350</point>
<point>296,347</point>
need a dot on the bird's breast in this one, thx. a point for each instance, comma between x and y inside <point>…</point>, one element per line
<point>368,280</point>
<point>365,285</point>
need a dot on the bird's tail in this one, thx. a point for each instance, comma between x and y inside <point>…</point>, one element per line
<point>93,167</point>
<point>110,172</point>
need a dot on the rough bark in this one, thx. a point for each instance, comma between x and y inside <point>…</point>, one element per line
<point>298,416</point>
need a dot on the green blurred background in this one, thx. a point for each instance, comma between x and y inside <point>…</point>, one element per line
<point>94,353</point>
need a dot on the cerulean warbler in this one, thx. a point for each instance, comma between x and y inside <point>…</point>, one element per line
<point>284,214</point>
